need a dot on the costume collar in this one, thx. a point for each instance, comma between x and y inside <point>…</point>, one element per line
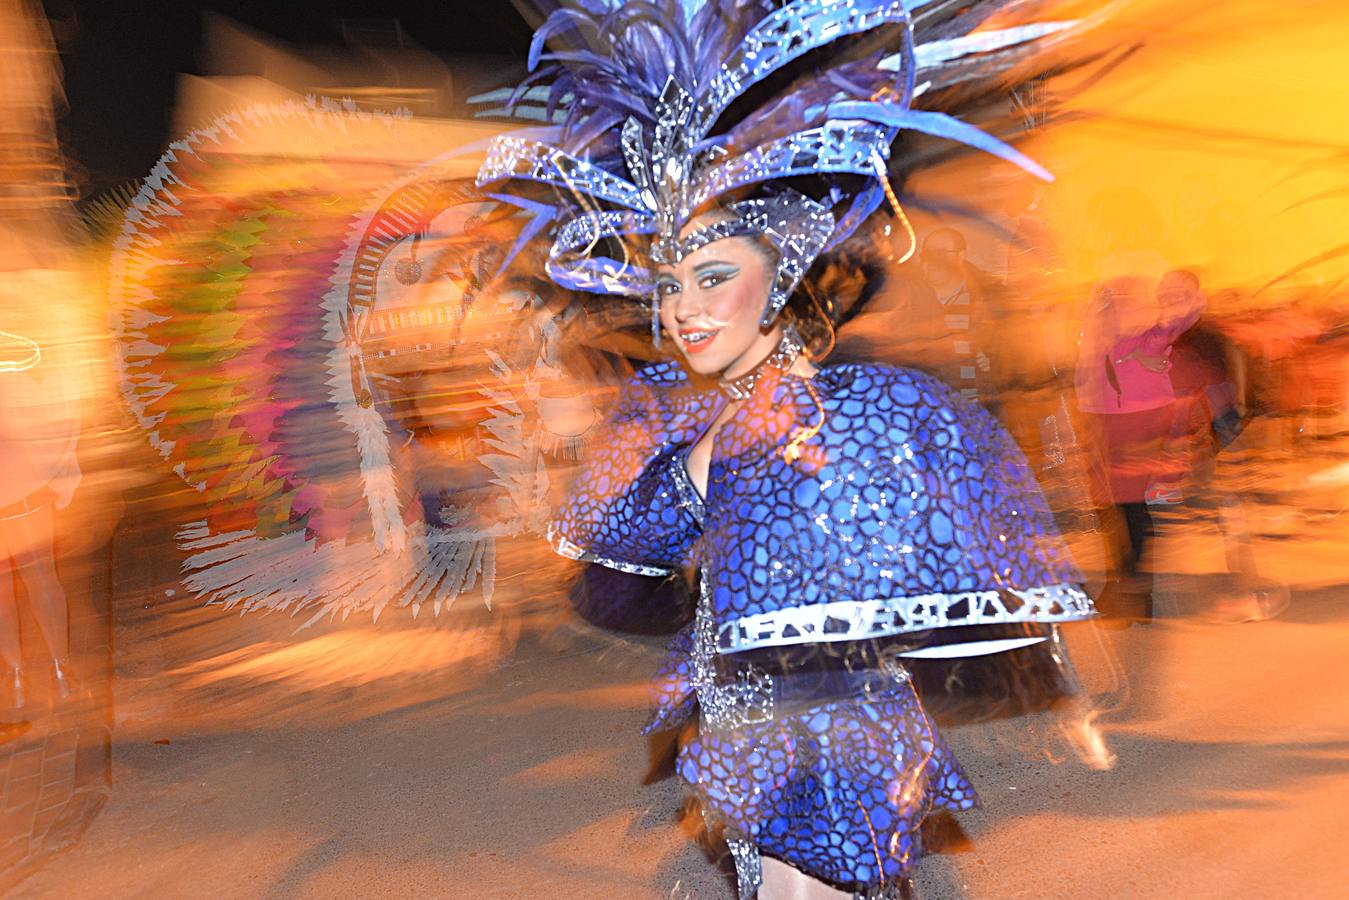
<point>786,353</point>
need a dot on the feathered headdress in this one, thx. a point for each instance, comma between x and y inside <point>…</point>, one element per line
<point>665,108</point>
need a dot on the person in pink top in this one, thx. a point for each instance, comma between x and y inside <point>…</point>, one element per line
<point>1124,389</point>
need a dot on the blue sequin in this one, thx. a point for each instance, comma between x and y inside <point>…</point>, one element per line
<point>893,498</point>
<point>839,792</point>
<point>904,492</point>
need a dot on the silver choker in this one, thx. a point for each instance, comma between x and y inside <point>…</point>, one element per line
<point>781,359</point>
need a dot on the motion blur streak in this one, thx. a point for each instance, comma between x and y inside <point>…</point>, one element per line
<point>309,438</point>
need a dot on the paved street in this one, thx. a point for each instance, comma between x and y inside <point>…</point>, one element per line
<point>497,755</point>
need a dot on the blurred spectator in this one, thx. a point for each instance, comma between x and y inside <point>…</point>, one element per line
<point>1124,387</point>
<point>932,315</point>
<point>39,404</point>
<point>1208,371</point>
<point>1036,351</point>
<point>39,426</point>
<point>1210,376</point>
<point>946,314</point>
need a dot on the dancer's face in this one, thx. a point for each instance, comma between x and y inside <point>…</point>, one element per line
<point>711,303</point>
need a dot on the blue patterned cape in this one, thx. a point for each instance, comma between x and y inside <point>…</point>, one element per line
<point>864,502</point>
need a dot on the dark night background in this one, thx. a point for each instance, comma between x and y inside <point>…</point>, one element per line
<point>121,60</point>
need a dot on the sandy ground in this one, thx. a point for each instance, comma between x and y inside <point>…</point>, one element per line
<point>497,755</point>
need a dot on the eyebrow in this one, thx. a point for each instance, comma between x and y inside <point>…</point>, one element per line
<point>713,264</point>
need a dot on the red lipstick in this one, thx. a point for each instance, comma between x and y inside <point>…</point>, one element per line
<point>697,346</point>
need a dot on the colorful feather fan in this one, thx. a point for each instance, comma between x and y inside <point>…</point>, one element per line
<point>277,320</point>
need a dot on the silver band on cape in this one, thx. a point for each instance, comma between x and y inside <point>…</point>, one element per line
<point>854,620</point>
<point>563,547</point>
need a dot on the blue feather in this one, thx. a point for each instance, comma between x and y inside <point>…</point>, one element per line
<point>541,215</point>
<point>940,125</point>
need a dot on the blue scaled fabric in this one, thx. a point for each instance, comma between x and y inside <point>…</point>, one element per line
<point>847,517</point>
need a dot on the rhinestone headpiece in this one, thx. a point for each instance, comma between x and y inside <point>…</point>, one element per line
<point>638,97</point>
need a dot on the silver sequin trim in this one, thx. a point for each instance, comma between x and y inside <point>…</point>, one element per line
<point>781,37</point>
<point>725,705</point>
<point>563,547</point>
<point>781,359</point>
<point>840,146</point>
<point>853,620</point>
<point>512,157</point>
<point>748,867</point>
<point>892,889</point>
<point>684,487</point>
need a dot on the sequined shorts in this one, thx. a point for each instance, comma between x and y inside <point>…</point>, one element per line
<point>837,788</point>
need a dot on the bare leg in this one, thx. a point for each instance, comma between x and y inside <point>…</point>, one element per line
<point>1256,598</point>
<point>782,882</point>
<point>34,557</point>
<point>11,647</point>
<point>11,650</point>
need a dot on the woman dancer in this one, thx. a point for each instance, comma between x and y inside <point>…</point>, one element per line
<point>837,517</point>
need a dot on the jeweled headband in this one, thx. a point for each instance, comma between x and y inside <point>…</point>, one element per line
<point>638,91</point>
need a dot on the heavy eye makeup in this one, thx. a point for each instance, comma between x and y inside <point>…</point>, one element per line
<point>711,274</point>
<point>708,275</point>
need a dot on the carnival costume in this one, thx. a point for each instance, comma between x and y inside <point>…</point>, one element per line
<point>848,516</point>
